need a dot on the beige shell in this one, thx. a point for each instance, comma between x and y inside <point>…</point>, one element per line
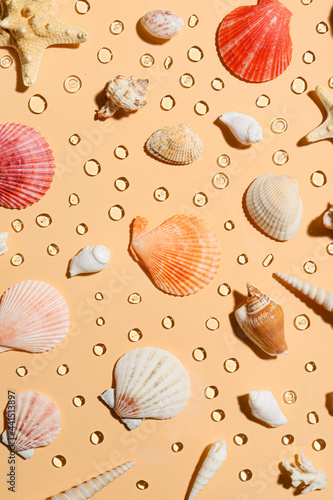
<point>214,460</point>
<point>126,94</point>
<point>176,144</point>
<point>274,205</point>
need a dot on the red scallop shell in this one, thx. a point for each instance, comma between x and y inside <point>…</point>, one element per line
<point>254,41</point>
<point>26,165</point>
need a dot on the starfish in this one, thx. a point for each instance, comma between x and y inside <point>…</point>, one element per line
<point>30,26</point>
<point>325,130</point>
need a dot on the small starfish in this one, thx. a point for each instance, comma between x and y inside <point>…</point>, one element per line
<point>30,26</point>
<point>325,130</point>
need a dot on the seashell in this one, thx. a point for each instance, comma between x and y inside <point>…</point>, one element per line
<point>274,204</point>
<point>325,129</point>
<point>124,94</point>
<point>90,260</point>
<point>265,407</point>
<point>88,489</point>
<point>176,144</point>
<point>319,295</point>
<point>26,166</point>
<point>181,256</point>
<point>35,422</point>
<point>254,41</point>
<point>215,458</point>
<point>327,218</point>
<point>3,242</point>
<point>150,383</point>
<point>262,320</point>
<point>162,23</point>
<point>34,317</point>
<point>306,476</point>
<point>245,128</point>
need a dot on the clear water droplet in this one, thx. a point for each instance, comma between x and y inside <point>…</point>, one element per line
<point>319,444</point>
<point>223,161</point>
<point>73,199</point>
<point>240,439</point>
<point>287,439</point>
<point>74,139</point>
<point>229,225</point>
<point>78,401</point>
<point>245,475</point>
<point>104,55</point>
<point>279,126</point>
<point>310,366</point>
<point>220,181</point>
<point>6,62</point>
<point>329,249</point>
<point>193,21</point>
<point>116,27</point>
<point>37,104</point>
<point>195,54</point>
<point>212,324</point>
<point>135,335</point>
<point>308,57</point>
<point>187,80</point>
<point>121,152</point>
<point>92,168</point>
<point>217,415</point>
<point>268,260</point>
<point>217,84</point>
<point>62,370</point>
<point>22,371</point>
<point>142,485</point>
<point>17,259</point>
<point>168,322</point>
<point>59,461</point>
<point>72,84</point>
<point>161,194</point>
<point>201,108</point>
<point>330,82</point>
<point>302,322</point>
<point>96,437</point>
<point>17,225</point>
<point>53,249</point>
<point>43,220</point>
<point>242,259</point>
<point>121,184</point>
<point>263,101</point>
<point>289,397</point>
<point>82,229</point>
<point>318,178</point>
<point>147,60</point>
<point>224,289</point>
<point>82,6</point>
<point>199,354</point>
<point>134,298</point>
<point>100,321</point>
<point>177,447</point>
<point>299,85</point>
<point>167,103</point>
<point>99,349</point>
<point>200,200</point>
<point>310,267</point>
<point>116,212</point>
<point>281,157</point>
<point>306,2</point>
<point>99,296</point>
<point>322,28</point>
<point>211,392</point>
<point>312,417</point>
<point>231,365</point>
<point>168,62</point>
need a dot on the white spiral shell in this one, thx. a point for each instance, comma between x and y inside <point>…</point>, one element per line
<point>245,128</point>
<point>265,407</point>
<point>3,242</point>
<point>90,260</point>
<point>215,458</point>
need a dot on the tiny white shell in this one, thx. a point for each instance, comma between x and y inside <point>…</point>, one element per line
<point>265,407</point>
<point>245,128</point>
<point>306,475</point>
<point>327,218</point>
<point>3,242</point>
<point>215,458</point>
<point>162,23</point>
<point>90,260</point>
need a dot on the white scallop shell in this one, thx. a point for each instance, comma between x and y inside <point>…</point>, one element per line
<point>215,458</point>
<point>150,383</point>
<point>3,242</point>
<point>37,423</point>
<point>245,128</point>
<point>265,407</point>
<point>274,204</point>
<point>126,94</point>
<point>90,260</point>
<point>162,23</point>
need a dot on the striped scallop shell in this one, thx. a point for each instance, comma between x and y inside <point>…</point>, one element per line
<point>37,423</point>
<point>274,205</point>
<point>34,317</point>
<point>162,23</point>
<point>26,166</point>
<point>254,41</point>
<point>150,383</point>
<point>181,256</point>
<point>176,144</point>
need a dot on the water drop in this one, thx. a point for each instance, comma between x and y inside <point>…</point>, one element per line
<point>6,62</point>
<point>104,55</point>
<point>177,447</point>
<point>242,259</point>
<point>217,415</point>
<point>330,82</point>
<point>329,249</point>
<point>74,139</point>
<point>280,157</point>
<point>142,485</point>
<point>17,259</point>
<point>161,194</point>
<point>211,392</point>
<point>199,354</point>
<point>168,62</point>
<point>318,178</point>
<point>59,461</point>
<point>279,126</point>
<point>319,445</point>
<point>99,349</point>
<point>306,2</point>
<point>100,321</point>
<point>229,225</point>
<point>322,28</point>
<point>224,289</point>
<point>268,260</point>
<point>116,27</point>
<point>217,84</point>
<point>62,370</point>
<point>121,184</point>
<point>195,54</point>
<point>245,475</point>
<point>220,181</point>
<point>187,80</point>
<point>240,439</point>
<point>134,298</point>
<point>53,249</point>
<point>147,60</point>
<point>200,200</point>
<point>263,101</point>
<point>289,397</point>
<point>99,296</point>
<point>73,200</point>
<point>223,161</point>
<point>37,104</point>
<point>309,57</point>
<point>121,152</point>
<point>167,103</point>
<point>231,365</point>
<point>82,229</point>
<point>43,220</point>
<point>299,85</point>
<point>135,335</point>
<point>310,366</point>
<point>82,6</point>
<point>116,212</point>
<point>168,322</point>
<point>212,324</point>
<point>287,439</point>
<point>193,21</point>
<point>72,84</point>
<point>96,437</point>
<point>21,371</point>
<point>17,225</point>
<point>78,401</point>
<point>201,108</point>
<point>92,168</point>
<point>310,267</point>
<point>312,417</point>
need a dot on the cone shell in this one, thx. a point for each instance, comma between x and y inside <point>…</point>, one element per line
<point>265,407</point>
<point>124,94</point>
<point>274,205</point>
<point>37,422</point>
<point>150,383</point>
<point>181,256</point>
<point>162,23</point>
<point>26,166</point>
<point>254,41</point>
<point>88,489</point>
<point>215,458</point>
<point>176,144</point>
<point>90,260</point>
<point>34,317</point>
<point>262,320</point>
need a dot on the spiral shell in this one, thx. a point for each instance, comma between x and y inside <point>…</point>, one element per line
<point>215,458</point>
<point>265,407</point>
<point>124,94</point>
<point>245,128</point>
<point>90,260</point>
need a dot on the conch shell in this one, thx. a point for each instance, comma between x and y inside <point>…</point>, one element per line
<point>162,23</point>
<point>245,128</point>
<point>262,320</point>
<point>319,295</point>
<point>124,94</point>
<point>327,218</point>
<point>215,458</point>
<point>90,260</point>
<point>87,490</point>
<point>265,407</point>
<point>3,242</point>
<point>305,474</point>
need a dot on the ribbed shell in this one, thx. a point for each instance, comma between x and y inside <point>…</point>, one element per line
<point>176,144</point>
<point>274,204</point>
<point>26,166</point>
<point>215,458</point>
<point>265,407</point>
<point>181,256</point>
<point>318,295</point>
<point>37,421</point>
<point>150,383</point>
<point>34,317</point>
<point>127,94</point>
<point>254,41</point>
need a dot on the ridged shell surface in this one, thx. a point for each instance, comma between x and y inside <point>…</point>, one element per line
<point>181,256</point>
<point>318,295</point>
<point>215,458</point>
<point>265,407</point>
<point>274,204</point>
<point>254,41</point>
<point>34,317</point>
<point>175,144</point>
<point>126,94</point>
<point>26,166</point>
<point>162,23</point>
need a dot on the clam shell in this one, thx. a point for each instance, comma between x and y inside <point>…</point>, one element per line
<point>181,256</point>
<point>162,23</point>
<point>34,317</point>
<point>37,423</point>
<point>26,166</point>
<point>124,94</point>
<point>150,383</point>
<point>254,41</point>
<point>265,407</point>
<point>274,205</point>
<point>214,460</point>
<point>176,144</point>
<point>262,320</point>
<point>90,260</point>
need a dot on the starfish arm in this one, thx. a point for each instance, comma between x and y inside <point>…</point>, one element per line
<point>30,58</point>
<point>4,39</point>
<point>59,32</point>
<point>324,131</point>
<point>325,96</point>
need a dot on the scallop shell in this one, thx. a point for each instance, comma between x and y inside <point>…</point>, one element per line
<point>254,41</point>
<point>124,94</point>
<point>245,128</point>
<point>265,407</point>
<point>26,166</point>
<point>150,383</point>
<point>328,218</point>
<point>34,317</point>
<point>215,458</point>
<point>162,23</point>
<point>262,320</point>
<point>90,260</point>
<point>176,144</point>
<point>181,256</point>
<point>89,488</point>
<point>36,421</point>
<point>318,295</point>
<point>274,204</point>
<point>3,242</point>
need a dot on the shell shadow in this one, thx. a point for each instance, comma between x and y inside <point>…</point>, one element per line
<point>147,37</point>
<point>313,95</point>
<point>284,477</point>
<point>229,137</point>
<point>244,406</point>
<point>196,470</point>
<point>329,403</point>
<point>316,226</point>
